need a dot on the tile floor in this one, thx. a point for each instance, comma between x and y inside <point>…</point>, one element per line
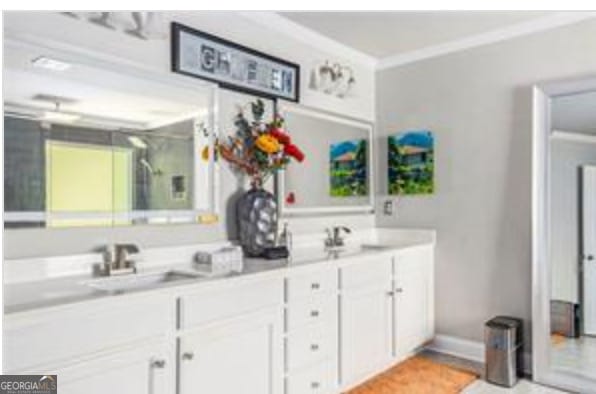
<point>578,355</point>
<point>523,387</point>
<point>481,387</point>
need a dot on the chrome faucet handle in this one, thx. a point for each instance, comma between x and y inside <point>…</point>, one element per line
<point>329,241</point>
<point>337,239</point>
<point>285,238</point>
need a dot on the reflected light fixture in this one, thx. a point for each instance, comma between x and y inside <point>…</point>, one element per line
<point>50,64</point>
<point>59,117</point>
<point>137,142</point>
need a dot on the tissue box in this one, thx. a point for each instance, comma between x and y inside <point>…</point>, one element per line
<point>221,261</point>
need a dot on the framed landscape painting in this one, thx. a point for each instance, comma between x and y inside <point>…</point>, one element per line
<point>347,168</point>
<point>411,163</point>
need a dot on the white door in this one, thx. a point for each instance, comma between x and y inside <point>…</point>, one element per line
<point>243,355</point>
<point>589,249</point>
<point>413,299</point>
<point>148,370</point>
<point>365,331</point>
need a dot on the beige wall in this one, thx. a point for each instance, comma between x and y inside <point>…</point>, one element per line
<point>478,102</point>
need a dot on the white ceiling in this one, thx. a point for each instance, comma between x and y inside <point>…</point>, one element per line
<point>384,34</point>
<point>575,113</point>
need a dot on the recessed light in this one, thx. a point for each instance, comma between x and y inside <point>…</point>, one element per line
<point>50,64</point>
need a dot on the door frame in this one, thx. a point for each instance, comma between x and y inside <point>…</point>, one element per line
<point>542,95</point>
<point>583,287</point>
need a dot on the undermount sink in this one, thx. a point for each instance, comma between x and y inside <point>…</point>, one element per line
<point>310,255</point>
<point>131,282</point>
<point>374,247</point>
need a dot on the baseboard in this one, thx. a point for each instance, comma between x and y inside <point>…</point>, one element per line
<point>458,347</point>
<point>469,350</point>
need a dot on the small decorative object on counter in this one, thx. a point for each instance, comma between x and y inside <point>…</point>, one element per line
<point>220,262</point>
<point>258,149</point>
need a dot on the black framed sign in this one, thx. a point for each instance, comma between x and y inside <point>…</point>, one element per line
<point>233,66</point>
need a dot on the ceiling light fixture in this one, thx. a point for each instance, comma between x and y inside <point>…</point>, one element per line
<point>50,64</point>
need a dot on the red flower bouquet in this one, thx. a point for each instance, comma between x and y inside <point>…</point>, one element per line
<point>259,148</point>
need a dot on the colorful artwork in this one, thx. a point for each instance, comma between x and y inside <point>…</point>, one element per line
<point>411,162</point>
<point>348,169</point>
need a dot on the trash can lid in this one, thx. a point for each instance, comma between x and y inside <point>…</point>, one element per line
<point>504,322</point>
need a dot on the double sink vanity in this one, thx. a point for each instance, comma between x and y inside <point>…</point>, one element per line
<point>320,322</point>
<point>324,320</point>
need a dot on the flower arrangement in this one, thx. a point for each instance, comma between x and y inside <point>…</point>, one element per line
<point>259,149</point>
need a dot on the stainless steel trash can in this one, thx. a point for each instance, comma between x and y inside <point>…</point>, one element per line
<point>503,345</point>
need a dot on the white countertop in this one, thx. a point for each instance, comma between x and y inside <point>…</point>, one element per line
<point>23,296</point>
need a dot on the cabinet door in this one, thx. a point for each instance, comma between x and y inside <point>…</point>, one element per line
<point>139,371</point>
<point>365,332</point>
<point>241,355</point>
<point>414,310</point>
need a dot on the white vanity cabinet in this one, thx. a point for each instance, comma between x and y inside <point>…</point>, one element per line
<point>141,370</point>
<point>231,339</point>
<point>311,331</point>
<point>116,347</point>
<point>319,328</point>
<point>386,311</point>
<point>414,298</point>
<point>366,319</point>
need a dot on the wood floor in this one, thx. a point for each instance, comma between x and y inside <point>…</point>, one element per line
<point>471,368</point>
<point>418,375</point>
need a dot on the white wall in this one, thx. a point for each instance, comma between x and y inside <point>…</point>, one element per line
<point>478,102</point>
<point>567,158</point>
<point>68,33</point>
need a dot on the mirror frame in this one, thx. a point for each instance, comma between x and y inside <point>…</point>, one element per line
<point>284,107</point>
<point>542,370</point>
<point>118,65</point>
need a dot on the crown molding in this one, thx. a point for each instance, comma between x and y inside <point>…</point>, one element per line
<point>313,38</point>
<point>573,136</point>
<point>516,30</point>
<point>284,25</point>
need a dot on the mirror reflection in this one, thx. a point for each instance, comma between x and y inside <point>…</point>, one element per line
<point>336,173</point>
<point>85,146</point>
<point>573,233</point>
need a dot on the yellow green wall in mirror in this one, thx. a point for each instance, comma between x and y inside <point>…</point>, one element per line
<point>87,178</point>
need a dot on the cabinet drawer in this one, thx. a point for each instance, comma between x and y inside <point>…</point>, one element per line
<point>310,345</point>
<point>40,339</point>
<point>370,272</point>
<point>311,284</point>
<point>319,379</point>
<point>316,310</point>
<point>229,300</point>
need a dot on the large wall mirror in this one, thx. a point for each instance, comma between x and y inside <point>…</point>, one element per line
<point>565,235</point>
<point>90,145</point>
<point>336,175</point>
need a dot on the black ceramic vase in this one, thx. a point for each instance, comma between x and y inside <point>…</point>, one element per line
<point>257,221</point>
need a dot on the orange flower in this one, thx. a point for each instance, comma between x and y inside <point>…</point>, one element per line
<point>267,143</point>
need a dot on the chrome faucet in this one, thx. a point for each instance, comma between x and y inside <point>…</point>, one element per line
<point>334,238</point>
<point>285,238</point>
<point>117,259</point>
